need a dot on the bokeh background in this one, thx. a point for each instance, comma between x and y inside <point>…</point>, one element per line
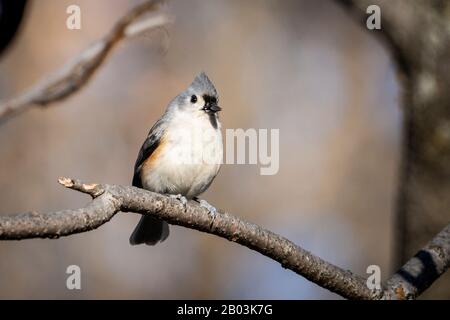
<point>304,67</point>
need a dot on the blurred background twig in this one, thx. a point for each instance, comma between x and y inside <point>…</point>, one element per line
<point>75,74</point>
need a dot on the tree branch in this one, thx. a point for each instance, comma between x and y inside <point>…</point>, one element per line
<point>408,283</point>
<point>110,199</point>
<point>422,270</point>
<point>76,73</point>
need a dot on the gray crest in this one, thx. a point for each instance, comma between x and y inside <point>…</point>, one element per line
<point>202,84</point>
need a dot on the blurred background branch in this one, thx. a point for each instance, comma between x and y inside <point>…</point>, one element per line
<point>428,265</point>
<point>418,34</point>
<point>11,15</point>
<point>76,74</point>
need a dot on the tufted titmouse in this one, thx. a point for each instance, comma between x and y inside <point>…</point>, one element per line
<point>181,155</point>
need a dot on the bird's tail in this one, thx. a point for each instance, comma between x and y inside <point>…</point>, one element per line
<point>150,231</point>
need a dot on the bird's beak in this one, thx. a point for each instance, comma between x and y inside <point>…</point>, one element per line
<point>213,108</point>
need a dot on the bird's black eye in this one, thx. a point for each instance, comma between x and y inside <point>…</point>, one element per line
<point>193,98</point>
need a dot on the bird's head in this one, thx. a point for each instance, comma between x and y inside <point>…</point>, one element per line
<point>201,96</point>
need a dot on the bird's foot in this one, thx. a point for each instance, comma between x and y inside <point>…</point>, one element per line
<point>179,197</point>
<point>204,204</point>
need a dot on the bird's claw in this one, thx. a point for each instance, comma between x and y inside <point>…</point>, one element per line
<point>211,209</point>
<point>179,197</point>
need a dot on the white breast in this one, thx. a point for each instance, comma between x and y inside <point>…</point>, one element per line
<point>193,152</point>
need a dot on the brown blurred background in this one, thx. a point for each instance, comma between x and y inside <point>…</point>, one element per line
<point>303,67</point>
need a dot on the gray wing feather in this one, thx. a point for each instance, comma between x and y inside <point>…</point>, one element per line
<point>150,144</point>
<point>149,230</point>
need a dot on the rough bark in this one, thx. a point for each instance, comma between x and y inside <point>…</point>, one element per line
<point>422,270</point>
